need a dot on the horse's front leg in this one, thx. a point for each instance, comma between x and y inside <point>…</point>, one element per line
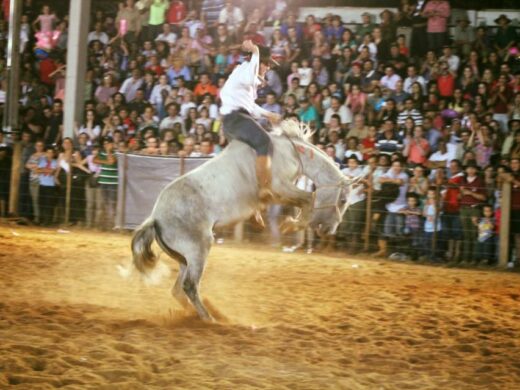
<point>303,201</point>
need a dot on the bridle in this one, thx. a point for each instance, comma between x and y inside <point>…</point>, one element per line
<point>339,191</point>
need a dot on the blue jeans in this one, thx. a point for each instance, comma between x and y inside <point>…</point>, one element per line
<point>394,225</point>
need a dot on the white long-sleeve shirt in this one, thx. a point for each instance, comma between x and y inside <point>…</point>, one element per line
<point>239,91</point>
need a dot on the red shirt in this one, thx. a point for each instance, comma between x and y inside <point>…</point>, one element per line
<point>476,186</point>
<point>451,197</point>
<point>176,12</point>
<point>201,90</point>
<point>446,84</point>
<point>368,143</point>
<point>47,66</point>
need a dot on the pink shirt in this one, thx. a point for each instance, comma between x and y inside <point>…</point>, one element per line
<point>437,23</point>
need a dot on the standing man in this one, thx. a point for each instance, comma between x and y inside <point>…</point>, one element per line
<point>108,180</point>
<point>438,13</point>
<point>239,108</point>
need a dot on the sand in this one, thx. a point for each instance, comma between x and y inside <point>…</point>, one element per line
<point>286,321</point>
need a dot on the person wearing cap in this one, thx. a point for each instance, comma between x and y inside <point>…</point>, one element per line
<point>472,196</point>
<point>505,35</point>
<point>239,111</point>
<point>308,113</point>
<point>438,13</point>
<point>366,26</point>
<point>463,36</point>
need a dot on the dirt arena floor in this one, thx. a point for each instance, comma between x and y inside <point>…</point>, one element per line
<point>286,321</point>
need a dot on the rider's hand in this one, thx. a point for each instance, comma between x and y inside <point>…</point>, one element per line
<point>274,118</point>
<point>248,45</point>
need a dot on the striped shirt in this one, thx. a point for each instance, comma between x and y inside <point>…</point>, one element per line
<point>108,174</point>
<point>414,114</point>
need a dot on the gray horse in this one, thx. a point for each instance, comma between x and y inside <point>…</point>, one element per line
<point>224,191</point>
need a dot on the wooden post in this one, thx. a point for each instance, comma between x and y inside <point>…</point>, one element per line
<point>16,165</point>
<point>368,213</point>
<point>182,166</point>
<point>67,194</point>
<point>122,218</point>
<point>505,223</point>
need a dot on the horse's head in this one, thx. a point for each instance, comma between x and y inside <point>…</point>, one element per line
<point>329,204</point>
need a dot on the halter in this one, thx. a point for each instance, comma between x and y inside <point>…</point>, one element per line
<point>339,186</point>
<point>339,189</point>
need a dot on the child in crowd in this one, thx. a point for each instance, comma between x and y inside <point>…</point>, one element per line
<point>432,224</point>
<point>486,236</point>
<point>413,224</point>
<point>305,72</point>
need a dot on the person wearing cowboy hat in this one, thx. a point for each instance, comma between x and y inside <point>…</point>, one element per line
<point>239,111</point>
<point>463,36</point>
<point>505,35</point>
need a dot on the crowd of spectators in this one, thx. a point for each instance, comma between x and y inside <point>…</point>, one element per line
<point>432,119</point>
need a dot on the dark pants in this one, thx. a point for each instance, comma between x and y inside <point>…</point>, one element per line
<point>351,228</point>
<point>47,199</point>
<point>469,231</point>
<point>241,126</point>
<point>436,41</point>
<point>486,249</point>
<point>109,195</point>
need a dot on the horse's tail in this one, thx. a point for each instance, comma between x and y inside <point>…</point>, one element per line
<point>144,258</point>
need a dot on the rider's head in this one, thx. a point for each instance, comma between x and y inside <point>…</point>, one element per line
<point>266,61</point>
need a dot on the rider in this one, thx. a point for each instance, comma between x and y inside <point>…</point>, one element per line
<point>239,110</point>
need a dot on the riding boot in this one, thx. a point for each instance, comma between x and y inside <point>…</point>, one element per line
<point>264,177</point>
<point>382,249</point>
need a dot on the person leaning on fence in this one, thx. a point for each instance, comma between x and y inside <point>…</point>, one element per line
<point>413,225</point>
<point>452,228</point>
<point>486,236</point>
<point>107,180</point>
<point>353,221</point>
<point>47,193</point>
<point>472,195</point>
<point>432,225</point>
<point>394,221</point>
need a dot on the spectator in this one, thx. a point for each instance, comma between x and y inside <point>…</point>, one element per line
<point>108,178</point>
<point>463,35</point>
<point>432,224</point>
<point>34,179</point>
<point>167,35</point>
<point>437,12</point>
<point>417,147</point>
<point>47,191</point>
<point>98,34</point>
<point>390,79</point>
<point>388,141</point>
<point>394,221</point>
<point>353,220</point>
<point>472,195</point>
<point>128,21</point>
<point>486,225</point>
<point>131,85</point>
<point>231,17</point>
<point>340,109</point>
<point>505,36</point>
<point>412,225</point>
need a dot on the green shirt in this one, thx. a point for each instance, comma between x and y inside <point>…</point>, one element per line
<point>108,174</point>
<point>157,13</point>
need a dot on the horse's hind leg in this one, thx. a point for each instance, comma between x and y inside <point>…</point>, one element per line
<point>177,290</point>
<point>191,285</point>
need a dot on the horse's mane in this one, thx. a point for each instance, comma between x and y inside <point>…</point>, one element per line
<point>293,129</point>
